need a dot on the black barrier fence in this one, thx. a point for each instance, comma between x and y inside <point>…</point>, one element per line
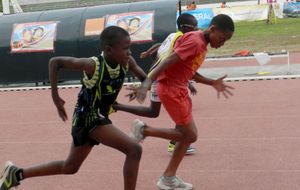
<point>27,64</point>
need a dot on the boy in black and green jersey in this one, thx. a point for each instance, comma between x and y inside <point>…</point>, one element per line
<point>95,99</point>
<point>102,81</point>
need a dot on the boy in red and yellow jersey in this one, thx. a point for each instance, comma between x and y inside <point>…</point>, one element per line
<point>172,75</point>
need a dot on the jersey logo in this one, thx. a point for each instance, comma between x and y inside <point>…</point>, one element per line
<point>109,89</point>
<point>197,61</point>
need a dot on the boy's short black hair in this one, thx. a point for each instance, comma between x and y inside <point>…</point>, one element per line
<point>111,35</point>
<point>184,18</point>
<point>223,22</point>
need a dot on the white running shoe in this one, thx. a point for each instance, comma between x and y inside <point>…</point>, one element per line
<point>137,130</point>
<point>173,183</point>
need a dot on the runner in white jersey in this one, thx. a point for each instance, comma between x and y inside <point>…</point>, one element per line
<point>185,23</point>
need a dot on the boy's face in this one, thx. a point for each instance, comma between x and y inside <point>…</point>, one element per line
<point>217,37</point>
<point>120,52</point>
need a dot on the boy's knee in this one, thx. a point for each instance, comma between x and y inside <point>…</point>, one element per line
<point>193,138</point>
<point>135,151</point>
<point>70,169</point>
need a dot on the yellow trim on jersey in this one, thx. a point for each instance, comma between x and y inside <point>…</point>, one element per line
<point>170,49</point>
<point>113,73</point>
<point>90,83</point>
<point>98,90</point>
<point>177,35</point>
<point>167,53</point>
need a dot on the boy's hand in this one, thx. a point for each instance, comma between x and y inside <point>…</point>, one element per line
<point>132,94</point>
<point>192,89</point>
<point>141,93</point>
<point>144,55</point>
<point>59,103</point>
<point>222,88</point>
<point>137,92</point>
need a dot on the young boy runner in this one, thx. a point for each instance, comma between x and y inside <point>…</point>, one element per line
<point>102,81</point>
<point>185,23</point>
<point>172,76</point>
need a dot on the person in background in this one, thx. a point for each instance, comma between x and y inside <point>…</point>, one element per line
<point>191,6</point>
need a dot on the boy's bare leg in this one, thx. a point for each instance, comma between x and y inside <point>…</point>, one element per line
<point>186,133</point>
<point>181,147</point>
<point>151,111</point>
<point>69,166</point>
<point>111,136</point>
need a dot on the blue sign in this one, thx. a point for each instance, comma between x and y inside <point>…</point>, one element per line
<point>291,8</point>
<point>203,16</point>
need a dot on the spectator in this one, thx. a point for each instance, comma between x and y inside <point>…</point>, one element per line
<point>223,4</point>
<point>191,6</point>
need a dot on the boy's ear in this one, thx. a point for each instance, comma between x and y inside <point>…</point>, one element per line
<point>212,28</point>
<point>108,49</point>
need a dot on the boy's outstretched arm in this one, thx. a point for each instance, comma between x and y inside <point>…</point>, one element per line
<point>139,73</point>
<point>152,111</point>
<point>136,70</point>
<point>218,84</point>
<point>170,60</point>
<point>201,79</point>
<point>141,92</point>
<point>150,51</point>
<point>55,64</point>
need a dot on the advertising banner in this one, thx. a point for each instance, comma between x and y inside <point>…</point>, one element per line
<point>245,13</point>
<point>94,26</point>
<point>203,16</point>
<point>291,8</point>
<point>33,37</point>
<point>138,24</point>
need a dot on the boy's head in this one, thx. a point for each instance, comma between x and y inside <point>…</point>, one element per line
<point>220,30</point>
<point>187,23</point>
<point>115,43</point>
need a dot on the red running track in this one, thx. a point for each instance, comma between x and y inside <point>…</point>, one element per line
<point>248,142</point>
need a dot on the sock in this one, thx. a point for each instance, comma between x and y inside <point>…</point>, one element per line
<point>169,177</point>
<point>19,174</point>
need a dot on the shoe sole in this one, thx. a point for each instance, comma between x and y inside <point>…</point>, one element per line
<point>187,152</point>
<point>8,164</point>
<point>163,187</point>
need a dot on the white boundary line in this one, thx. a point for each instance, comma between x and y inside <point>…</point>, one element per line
<point>262,78</point>
<point>243,57</point>
<point>233,79</point>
